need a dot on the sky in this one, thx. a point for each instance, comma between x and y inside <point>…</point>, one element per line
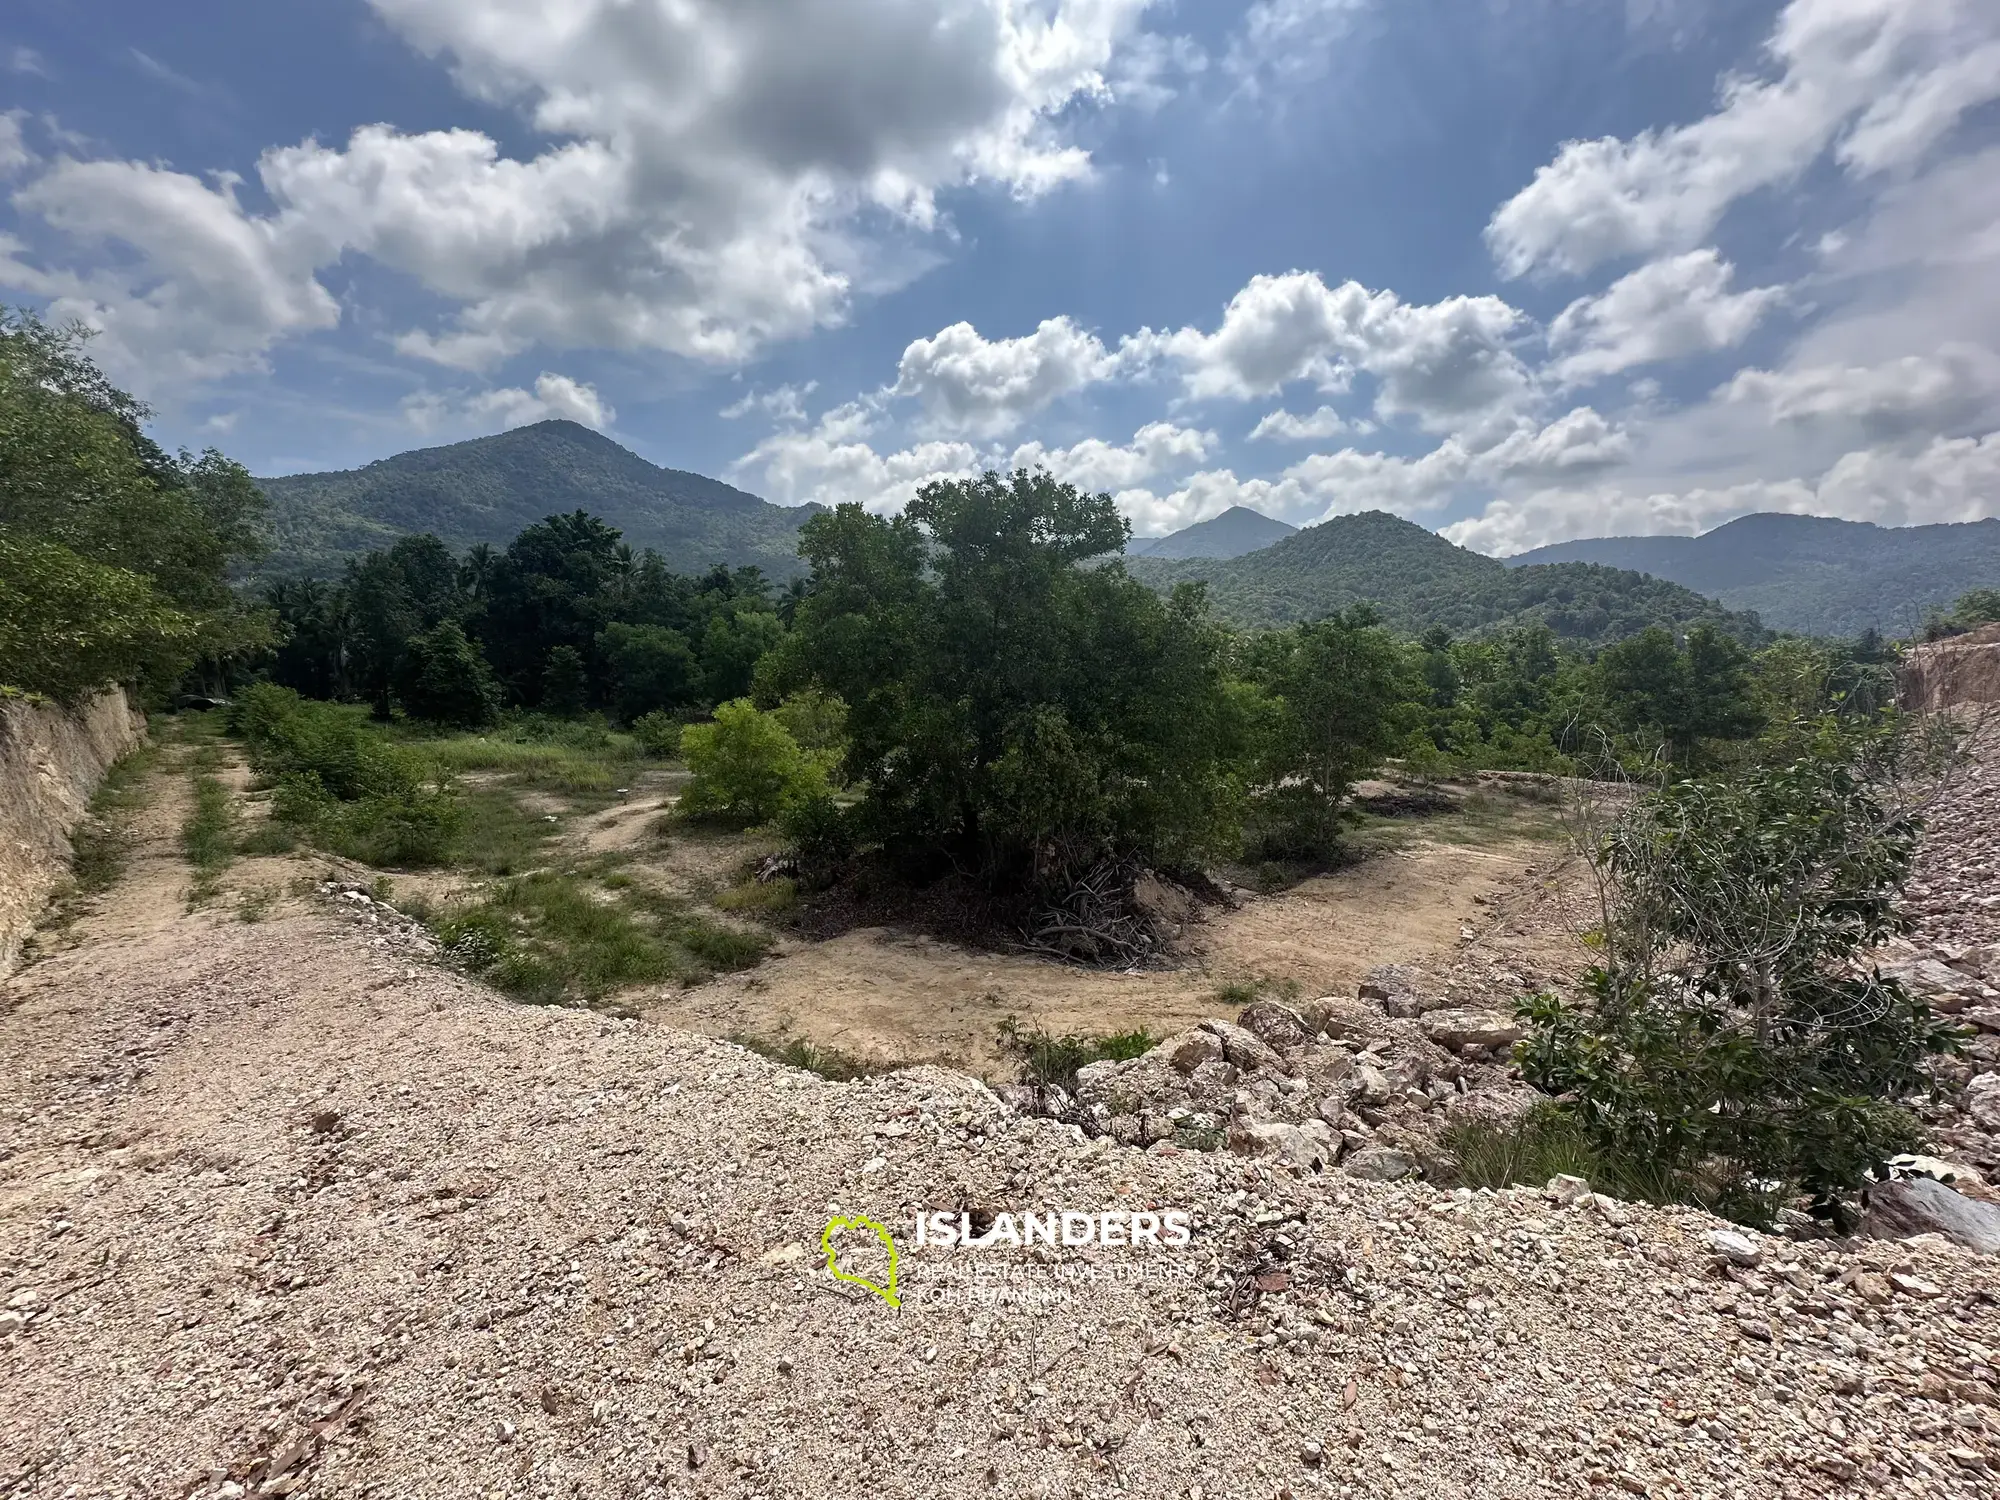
<point>1519,270</point>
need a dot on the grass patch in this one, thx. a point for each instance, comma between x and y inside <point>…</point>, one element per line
<point>102,843</point>
<point>829,1062</point>
<point>499,836</point>
<point>768,896</point>
<point>1054,1061</point>
<point>268,837</point>
<point>558,936</point>
<point>208,837</point>
<point>255,903</point>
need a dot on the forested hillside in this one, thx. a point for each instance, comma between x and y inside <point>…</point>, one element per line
<point>1236,531</point>
<point>1417,580</point>
<point>490,489</point>
<point>1810,574</point>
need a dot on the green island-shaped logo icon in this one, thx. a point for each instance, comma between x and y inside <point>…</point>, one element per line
<point>833,1226</point>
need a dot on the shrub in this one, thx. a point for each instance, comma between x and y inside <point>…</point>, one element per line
<point>658,734</point>
<point>443,678</point>
<point>747,767</point>
<point>1735,1035</point>
<point>565,687</point>
<point>1054,1061</point>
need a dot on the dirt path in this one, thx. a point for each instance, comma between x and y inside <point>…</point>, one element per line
<point>287,1209</point>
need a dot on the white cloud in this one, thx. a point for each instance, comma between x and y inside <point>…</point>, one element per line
<point>497,410</point>
<point>983,387</point>
<point>14,153</point>
<point>1913,394</point>
<point>712,162</point>
<point>1289,41</point>
<point>1286,427</point>
<point>28,61</point>
<point>1094,465</point>
<point>216,288</point>
<point>833,463</point>
<point>1942,480</point>
<point>1664,310</point>
<point>1878,81</point>
<point>1571,445</point>
<point>783,404</point>
<point>1448,364</point>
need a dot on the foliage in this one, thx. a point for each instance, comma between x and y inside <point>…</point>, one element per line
<point>747,767</point>
<point>1049,1061</point>
<point>565,689</point>
<point>114,555</point>
<point>801,1052</point>
<point>1008,709</point>
<point>444,679</point>
<point>1338,699</point>
<point>658,734</point>
<point>344,785</point>
<point>1682,693</point>
<point>1731,1034</point>
<point>1976,607</point>
<point>651,667</point>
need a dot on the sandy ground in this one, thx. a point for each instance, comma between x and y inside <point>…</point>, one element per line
<point>287,1209</point>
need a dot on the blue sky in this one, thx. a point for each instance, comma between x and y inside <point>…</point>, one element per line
<point>1517,269</point>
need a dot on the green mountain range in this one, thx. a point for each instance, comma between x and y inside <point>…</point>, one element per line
<point>489,489</point>
<point>1810,574</point>
<point>1416,579</point>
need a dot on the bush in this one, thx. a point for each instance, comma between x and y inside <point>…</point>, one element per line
<point>658,734</point>
<point>565,687</point>
<point>1054,1061</point>
<point>1736,1036</point>
<point>444,679</point>
<point>342,784</point>
<point>747,767</point>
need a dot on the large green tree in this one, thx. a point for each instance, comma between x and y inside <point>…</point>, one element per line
<point>1011,707</point>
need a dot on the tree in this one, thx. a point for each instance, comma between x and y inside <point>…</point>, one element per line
<point>444,679</point>
<point>1736,1032</point>
<point>747,767</point>
<point>117,556</point>
<point>1343,697</point>
<point>1009,709</point>
<point>650,668</point>
<point>1684,695</point>
<point>1976,607</point>
<point>565,688</point>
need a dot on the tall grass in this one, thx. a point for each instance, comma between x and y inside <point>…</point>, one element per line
<point>1054,1061</point>
<point>208,837</point>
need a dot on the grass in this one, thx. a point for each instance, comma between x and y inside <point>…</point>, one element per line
<point>828,1062</point>
<point>1054,1061</point>
<point>500,836</point>
<point>768,896</point>
<point>102,843</point>
<point>208,837</point>
<point>559,936</point>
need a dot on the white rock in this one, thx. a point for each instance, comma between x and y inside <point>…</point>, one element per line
<point>1737,1249</point>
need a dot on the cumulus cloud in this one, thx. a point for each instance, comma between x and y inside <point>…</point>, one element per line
<point>1877,82</point>
<point>969,384</point>
<point>1286,427</point>
<point>1094,465</point>
<point>1668,309</point>
<point>1893,399</point>
<point>710,163</point>
<point>14,153</point>
<point>510,406</point>
<point>833,462</point>
<point>216,287</point>
<point>1450,365</point>
<point>1942,480</point>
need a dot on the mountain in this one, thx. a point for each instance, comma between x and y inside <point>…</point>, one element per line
<point>489,489</point>
<point>1810,574</point>
<point>1416,579</point>
<point>1236,531</point>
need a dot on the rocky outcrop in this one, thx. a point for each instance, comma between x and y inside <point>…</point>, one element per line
<point>51,760</point>
<point>1365,1084</point>
<point>1944,674</point>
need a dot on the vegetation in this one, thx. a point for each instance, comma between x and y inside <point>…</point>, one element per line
<point>1054,1061</point>
<point>1416,580</point>
<point>485,491</point>
<point>208,836</point>
<point>1734,1040</point>
<point>113,553</point>
<point>748,768</point>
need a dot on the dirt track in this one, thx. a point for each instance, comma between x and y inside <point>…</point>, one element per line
<point>286,1208</point>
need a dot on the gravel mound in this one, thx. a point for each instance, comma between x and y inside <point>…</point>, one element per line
<point>291,1209</point>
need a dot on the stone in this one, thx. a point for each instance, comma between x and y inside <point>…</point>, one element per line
<point>1307,1147</point>
<point>1752,1328</point>
<point>1473,1028</point>
<point>1982,1101</point>
<point>1212,1080</point>
<point>1380,1164</point>
<point>1188,1050</point>
<point>1922,1205</point>
<point>11,1323</point>
<point>1951,1173</point>
<point>1333,1110</point>
<point>1276,1025</point>
<point>1243,1049</point>
<point>1567,1189</point>
<point>1736,1248</point>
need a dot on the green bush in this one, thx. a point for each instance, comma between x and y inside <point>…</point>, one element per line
<point>747,767</point>
<point>658,734</point>
<point>444,679</point>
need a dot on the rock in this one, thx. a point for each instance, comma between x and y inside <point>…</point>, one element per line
<point>1737,1249</point>
<point>1212,1081</point>
<point>1394,988</point>
<point>1243,1049</point>
<point>11,1322</point>
<point>1308,1147</point>
<point>1333,1110</point>
<point>1982,1101</point>
<point>1188,1050</point>
<point>1752,1328</point>
<point>1871,1288</point>
<point>1473,1028</point>
<point>1952,1173</point>
<point>1380,1164</point>
<point>1277,1026</point>
<point>1566,1189</point>
<point>1371,1086</point>
<point>1914,1286</point>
